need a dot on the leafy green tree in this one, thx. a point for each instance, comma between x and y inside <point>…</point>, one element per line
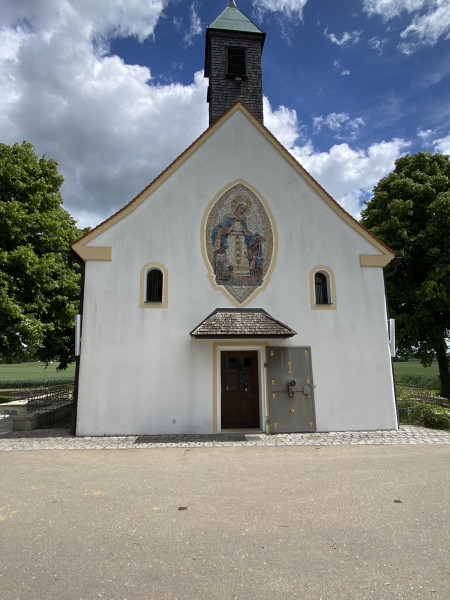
<point>39,290</point>
<point>410,212</point>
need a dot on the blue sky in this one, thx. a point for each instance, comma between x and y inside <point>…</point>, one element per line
<point>114,90</point>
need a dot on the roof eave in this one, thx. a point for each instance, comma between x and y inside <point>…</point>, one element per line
<point>241,336</point>
<point>259,332</point>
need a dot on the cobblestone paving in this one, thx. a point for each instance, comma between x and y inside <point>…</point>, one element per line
<point>60,439</point>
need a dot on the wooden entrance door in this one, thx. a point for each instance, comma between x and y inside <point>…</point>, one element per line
<point>240,394</point>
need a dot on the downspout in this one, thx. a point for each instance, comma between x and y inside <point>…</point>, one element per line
<point>81,263</point>
<point>387,276</point>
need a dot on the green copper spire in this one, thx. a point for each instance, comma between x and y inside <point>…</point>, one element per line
<point>232,19</point>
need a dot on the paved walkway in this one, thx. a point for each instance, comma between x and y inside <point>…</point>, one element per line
<point>60,439</point>
<point>339,522</point>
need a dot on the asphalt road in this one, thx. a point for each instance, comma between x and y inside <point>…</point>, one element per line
<point>235,523</point>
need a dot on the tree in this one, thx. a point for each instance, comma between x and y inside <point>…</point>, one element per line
<point>39,290</point>
<point>410,212</point>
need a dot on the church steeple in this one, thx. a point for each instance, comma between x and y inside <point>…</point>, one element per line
<point>233,63</point>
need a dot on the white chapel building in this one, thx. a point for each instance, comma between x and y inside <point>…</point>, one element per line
<point>233,293</point>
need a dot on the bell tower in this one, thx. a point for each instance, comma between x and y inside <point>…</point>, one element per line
<point>233,63</point>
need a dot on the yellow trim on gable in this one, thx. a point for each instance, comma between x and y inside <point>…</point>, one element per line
<point>79,245</point>
<point>94,252</point>
<point>153,186</point>
<point>374,260</point>
<point>341,212</point>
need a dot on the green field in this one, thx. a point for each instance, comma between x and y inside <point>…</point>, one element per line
<point>413,367</point>
<point>39,372</point>
<point>412,374</point>
<point>34,372</point>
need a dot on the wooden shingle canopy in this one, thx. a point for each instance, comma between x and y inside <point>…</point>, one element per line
<point>241,323</point>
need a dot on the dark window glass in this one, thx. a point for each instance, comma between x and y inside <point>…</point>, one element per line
<point>154,286</point>
<point>236,62</point>
<point>245,375</point>
<point>320,282</point>
<point>238,374</point>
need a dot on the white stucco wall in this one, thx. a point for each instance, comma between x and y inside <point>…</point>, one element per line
<point>142,373</point>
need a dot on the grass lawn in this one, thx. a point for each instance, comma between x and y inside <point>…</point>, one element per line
<point>38,372</point>
<point>34,372</point>
<point>413,367</point>
<point>413,374</point>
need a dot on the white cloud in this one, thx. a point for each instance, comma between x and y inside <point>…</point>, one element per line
<point>195,28</point>
<point>349,175</point>
<point>427,29</point>
<point>292,9</point>
<point>344,39</point>
<point>388,9</point>
<point>284,121</point>
<point>442,145</point>
<point>178,22</point>
<point>338,65</point>
<point>100,118</point>
<point>112,128</point>
<point>377,44</point>
<point>90,19</point>
<point>340,123</point>
<point>431,20</point>
<point>425,135</point>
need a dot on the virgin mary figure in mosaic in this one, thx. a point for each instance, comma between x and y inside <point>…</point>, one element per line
<point>239,239</point>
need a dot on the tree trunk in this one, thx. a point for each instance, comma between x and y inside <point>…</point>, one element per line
<point>444,374</point>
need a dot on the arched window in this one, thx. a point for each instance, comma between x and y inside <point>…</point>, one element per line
<point>154,289</point>
<point>154,286</point>
<point>321,288</point>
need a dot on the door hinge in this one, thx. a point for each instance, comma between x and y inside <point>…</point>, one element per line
<point>266,365</point>
<point>267,421</point>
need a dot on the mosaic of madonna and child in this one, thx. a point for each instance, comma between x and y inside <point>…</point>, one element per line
<point>239,241</point>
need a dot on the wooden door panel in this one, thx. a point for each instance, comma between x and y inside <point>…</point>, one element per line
<point>240,394</point>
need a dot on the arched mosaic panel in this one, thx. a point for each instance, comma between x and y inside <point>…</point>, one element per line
<point>239,242</point>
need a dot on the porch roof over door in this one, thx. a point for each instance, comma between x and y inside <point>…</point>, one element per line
<point>241,323</point>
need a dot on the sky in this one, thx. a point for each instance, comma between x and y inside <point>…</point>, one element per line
<point>114,90</point>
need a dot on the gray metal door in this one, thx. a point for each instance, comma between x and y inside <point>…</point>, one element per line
<point>291,390</point>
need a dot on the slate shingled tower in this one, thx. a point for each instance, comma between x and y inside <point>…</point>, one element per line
<point>233,63</point>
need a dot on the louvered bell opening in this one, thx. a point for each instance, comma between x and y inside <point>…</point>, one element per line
<point>236,63</point>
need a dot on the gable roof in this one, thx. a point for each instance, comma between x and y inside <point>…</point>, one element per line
<point>241,323</point>
<point>104,253</point>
